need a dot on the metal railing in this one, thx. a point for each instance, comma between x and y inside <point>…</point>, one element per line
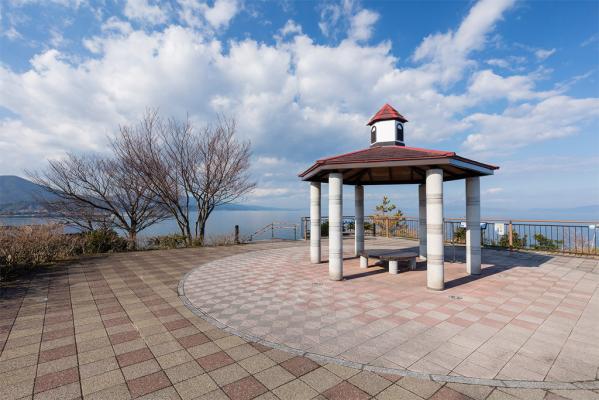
<point>559,236</point>
<point>270,231</point>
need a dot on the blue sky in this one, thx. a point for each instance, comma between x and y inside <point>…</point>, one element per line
<point>513,83</point>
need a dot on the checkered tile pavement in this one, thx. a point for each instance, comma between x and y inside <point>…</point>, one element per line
<point>113,327</point>
<point>529,317</point>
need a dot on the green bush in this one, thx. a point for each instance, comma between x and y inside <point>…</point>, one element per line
<point>459,235</point>
<point>544,243</point>
<point>173,241</point>
<point>103,241</point>
<point>517,242</point>
<point>324,228</point>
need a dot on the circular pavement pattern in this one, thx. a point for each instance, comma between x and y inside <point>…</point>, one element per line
<point>529,320</point>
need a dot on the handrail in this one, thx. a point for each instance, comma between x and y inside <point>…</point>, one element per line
<point>273,226</point>
<point>558,221</point>
<point>560,236</point>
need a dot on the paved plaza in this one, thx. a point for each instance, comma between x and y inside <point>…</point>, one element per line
<point>115,327</point>
<point>528,317</point>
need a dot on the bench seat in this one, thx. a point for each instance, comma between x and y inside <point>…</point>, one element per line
<point>390,256</point>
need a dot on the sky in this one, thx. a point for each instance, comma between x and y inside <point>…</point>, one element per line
<point>511,83</point>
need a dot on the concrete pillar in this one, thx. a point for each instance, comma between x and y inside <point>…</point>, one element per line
<point>473,254</point>
<point>393,267</point>
<point>315,222</point>
<point>335,226</point>
<point>422,219</point>
<point>434,230</point>
<point>359,223</point>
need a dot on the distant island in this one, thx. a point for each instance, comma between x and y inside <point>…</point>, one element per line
<point>20,197</point>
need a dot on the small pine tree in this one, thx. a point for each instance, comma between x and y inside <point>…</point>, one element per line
<point>385,207</point>
<point>384,211</point>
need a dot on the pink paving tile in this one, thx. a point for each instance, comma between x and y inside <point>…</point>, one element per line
<point>57,353</point>
<point>123,337</point>
<point>215,361</point>
<point>244,389</point>
<point>56,379</point>
<point>148,384</point>
<point>134,357</point>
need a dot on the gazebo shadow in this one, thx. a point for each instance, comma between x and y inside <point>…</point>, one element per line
<point>515,259</point>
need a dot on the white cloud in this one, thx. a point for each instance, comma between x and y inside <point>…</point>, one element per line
<point>297,100</point>
<point>552,118</point>
<point>199,15</point>
<point>221,13</point>
<point>11,33</point>
<point>493,190</point>
<point>143,11</point>
<point>361,25</point>
<point>590,40</point>
<point>269,192</point>
<point>543,54</point>
<point>290,28</point>
<point>487,85</point>
<point>347,16</point>
<point>448,52</point>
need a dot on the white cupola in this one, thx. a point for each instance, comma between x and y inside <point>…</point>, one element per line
<point>387,127</point>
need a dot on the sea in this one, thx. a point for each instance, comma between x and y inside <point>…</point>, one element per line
<point>220,223</point>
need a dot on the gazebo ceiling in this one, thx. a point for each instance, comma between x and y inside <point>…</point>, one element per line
<point>385,165</point>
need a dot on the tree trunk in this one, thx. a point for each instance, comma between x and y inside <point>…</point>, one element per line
<point>132,239</point>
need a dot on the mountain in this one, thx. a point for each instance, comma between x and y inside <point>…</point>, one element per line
<point>20,196</point>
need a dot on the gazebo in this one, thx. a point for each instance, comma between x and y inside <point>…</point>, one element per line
<point>388,161</point>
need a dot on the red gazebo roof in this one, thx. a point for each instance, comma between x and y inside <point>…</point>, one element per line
<point>386,112</point>
<point>394,165</point>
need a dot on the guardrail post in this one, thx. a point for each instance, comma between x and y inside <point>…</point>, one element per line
<point>236,234</point>
<point>305,229</point>
<point>510,232</point>
<point>272,230</point>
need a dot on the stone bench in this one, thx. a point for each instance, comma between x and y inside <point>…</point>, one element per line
<point>390,256</point>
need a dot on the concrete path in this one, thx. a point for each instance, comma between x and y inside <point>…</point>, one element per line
<point>114,327</point>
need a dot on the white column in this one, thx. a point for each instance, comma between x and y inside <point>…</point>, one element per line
<point>335,226</point>
<point>473,225</point>
<point>422,219</point>
<point>315,222</point>
<point>434,229</point>
<point>359,223</point>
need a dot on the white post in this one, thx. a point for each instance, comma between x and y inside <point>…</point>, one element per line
<point>473,254</point>
<point>434,229</point>
<point>335,226</point>
<point>422,219</point>
<point>315,222</point>
<point>359,223</point>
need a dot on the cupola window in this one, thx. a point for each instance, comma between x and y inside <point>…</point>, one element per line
<point>373,134</point>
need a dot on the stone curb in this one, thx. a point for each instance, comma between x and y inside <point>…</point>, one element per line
<point>588,385</point>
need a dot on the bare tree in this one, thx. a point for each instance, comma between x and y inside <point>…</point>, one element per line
<point>221,174</point>
<point>93,190</point>
<point>160,168</point>
<point>185,168</point>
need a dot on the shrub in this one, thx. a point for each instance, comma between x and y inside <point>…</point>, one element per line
<point>324,228</point>
<point>173,241</point>
<point>459,235</point>
<point>220,240</point>
<point>36,245</point>
<point>544,243</point>
<point>517,242</point>
<point>103,241</point>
